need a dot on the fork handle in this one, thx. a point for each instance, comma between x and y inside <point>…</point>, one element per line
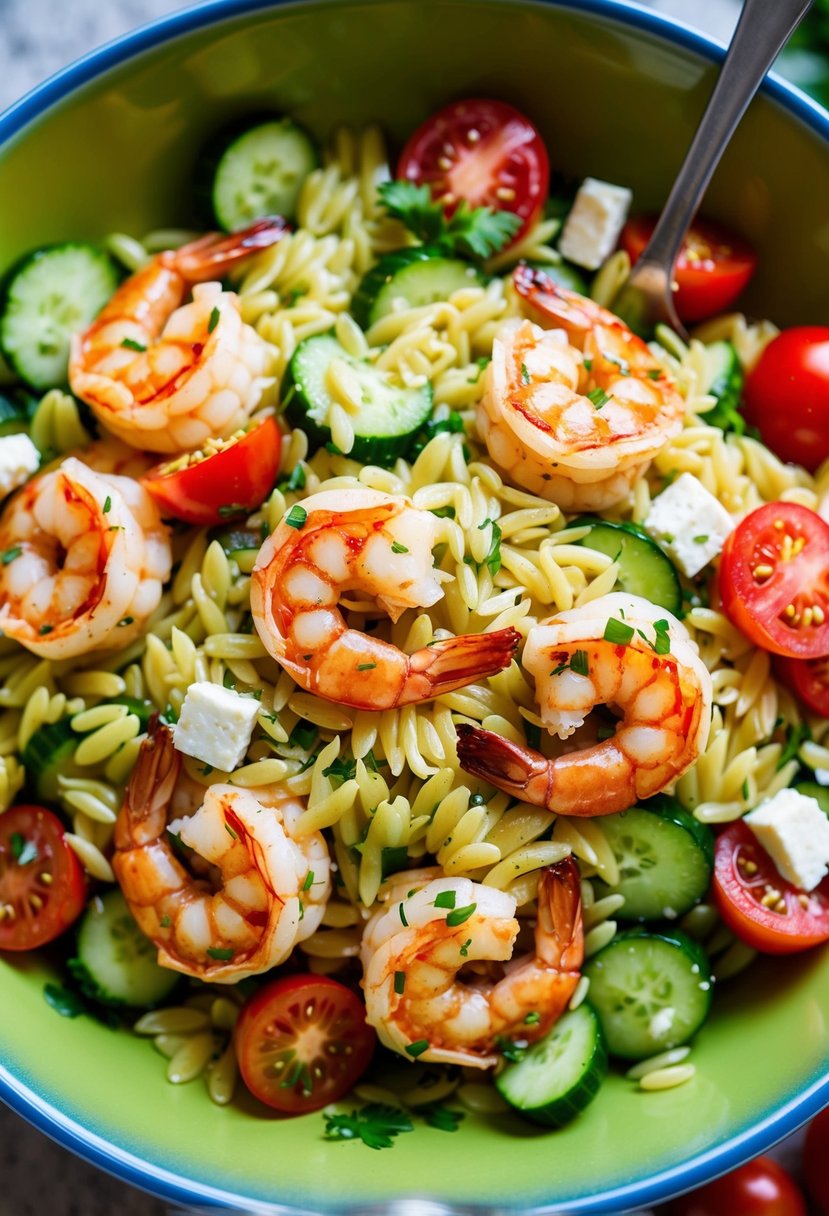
<point>762,31</point>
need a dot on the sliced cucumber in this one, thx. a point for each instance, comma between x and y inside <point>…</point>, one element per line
<point>240,542</point>
<point>644,569</point>
<point>726,384</point>
<point>50,295</point>
<point>115,963</point>
<point>651,991</point>
<point>561,1073</point>
<point>16,409</point>
<point>254,169</point>
<point>417,276</point>
<point>811,789</point>
<point>665,858</point>
<point>49,754</point>
<point>389,417</point>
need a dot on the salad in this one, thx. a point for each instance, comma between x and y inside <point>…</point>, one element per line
<point>415,682</point>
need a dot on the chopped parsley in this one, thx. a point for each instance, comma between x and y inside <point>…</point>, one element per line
<point>65,1002</point>
<point>376,1125</point>
<point>481,364</point>
<point>441,1117</point>
<point>525,375</point>
<point>492,561</point>
<point>399,982</point>
<point>701,540</point>
<point>402,912</point>
<point>214,320</point>
<point>107,505</point>
<point>532,1019</point>
<point>417,1049</point>
<point>396,547</point>
<point>796,735</point>
<point>478,232</point>
<point>296,517</point>
<point>131,344</point>
<point>618,632</point>
<point>297,480</point>
<point>8,555</point>
<point>303,735</point>
<point>366,666</point>
<point>220,953</point>
<point>465,948</point>
<point>309,881</point>
<point>44,629</point>
<point>511,1049</point>
<point>445,899</point>
<point>126,620</point>
<point>458,915</point>
<point>599,397</point>
<point>165,922</point>
<point>588,365</point>
<point>745,789</point>
<point>654,373</point>
<point>578,662</point>
<point>341,770</point>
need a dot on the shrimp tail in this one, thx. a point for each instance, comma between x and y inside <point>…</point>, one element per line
<point>516,770</point>
<point>210,256</point>
<point>456,662</point>
<point>559,935</point>
<point>150,789</point>
<point>555,303</point>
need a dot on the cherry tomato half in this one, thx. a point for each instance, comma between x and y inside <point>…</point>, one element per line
<point>42,885</point>
<point>774,580</point>
<point>759,1188</point>
<point>302,1042</point>
<point>787,395</point>
<point>808,680</point>
<point>484,152</point>
<point>208,487</point>
<point>712,269</point>
<point>816,1160</point>
<point>743,874</point>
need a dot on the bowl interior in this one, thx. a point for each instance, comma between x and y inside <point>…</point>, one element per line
<point>615,98</point>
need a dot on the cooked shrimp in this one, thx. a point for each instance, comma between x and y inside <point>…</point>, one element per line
<point>574,413</point>
<point>271,887</point>
<point>645,667</point>
<point>380,545</point>
<point>164,375</point>
<point>84,559</point>
<point>453,996</point>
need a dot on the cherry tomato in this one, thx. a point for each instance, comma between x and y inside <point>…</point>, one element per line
<point>712,269</point>
<point>774,580</point>
<point>208,487</point>
<point>743,875</point>
<point>482,151</point>
<point>302,1042</point>
<point>808,680</point>
<point>760,1188</point>
<point>42,885</point>
<point>816,1161</point>
<point>787,395</point>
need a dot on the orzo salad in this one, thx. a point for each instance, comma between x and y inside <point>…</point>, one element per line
<point>415,684</point>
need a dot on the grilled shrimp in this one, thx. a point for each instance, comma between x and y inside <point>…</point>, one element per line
<point>164,375</point>
<point>645,667</point>
<point>380,545</point>
<point>574,413</point>
<point>271,887</point>
<point>85,557</point>
<point>447,940</point>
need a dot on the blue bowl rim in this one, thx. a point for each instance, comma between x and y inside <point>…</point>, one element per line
<point>740,1147</point>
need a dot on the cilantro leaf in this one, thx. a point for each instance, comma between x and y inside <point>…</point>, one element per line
<point>376,1125</point>
<point>477,232</point>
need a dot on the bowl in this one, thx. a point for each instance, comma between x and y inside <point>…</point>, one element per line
<point>108,145</point>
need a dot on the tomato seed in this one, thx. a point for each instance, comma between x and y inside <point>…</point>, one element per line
<point>45,878</point>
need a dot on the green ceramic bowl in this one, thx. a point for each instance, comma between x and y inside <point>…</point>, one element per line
<point>109,145</point>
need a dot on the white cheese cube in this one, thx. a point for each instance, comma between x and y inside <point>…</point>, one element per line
<point>689,523</point>
<point>215,725</point>
<point>19,458</point>
<point>596,219</point>
<point>794,831</point>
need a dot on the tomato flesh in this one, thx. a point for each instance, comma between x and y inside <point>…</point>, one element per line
<point>816,1161</point>
<point>484,152</point>
<point>302,1042</point>
<point>774,580</point>
<point>42,884</point>
<point>809,680</point>
<point>787,395</point>
<point>712,269</point>
<point>759,1188</point>
<point>228,482</point>
<point>744,875</point>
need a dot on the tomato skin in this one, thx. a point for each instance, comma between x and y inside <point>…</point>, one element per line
<point>757,605</point>
<point>787,395</point>
<point>816,1160</point>
<point>474,149</point>
<point>759,1188</point>
<point>737,895</point>
<point>240,475</point>
<point>276,1026</point>
<point>61,899</point>
<point>713,267</point>
<point>808,680</point>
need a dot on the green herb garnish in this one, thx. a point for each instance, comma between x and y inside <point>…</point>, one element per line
<point>131,344</point>
<point>220,953</point>
<point>214,320</point>
<point>618,632</point>
<point>477,233</point>
<point>459,915</point>
<point>296,517</point>
<point>376,1125</point>
<point>445,899</point>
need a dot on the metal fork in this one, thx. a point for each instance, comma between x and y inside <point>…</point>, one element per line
<point>645,298</point>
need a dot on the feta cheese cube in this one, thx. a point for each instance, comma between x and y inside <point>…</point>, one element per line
<point>19,458</point>
<point>596,218</point>
<point>215,725</point>
<point>794,831</point>
<point>689,523</point>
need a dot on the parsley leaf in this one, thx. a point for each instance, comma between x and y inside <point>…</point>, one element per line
<point>65,1002</point>
<point>376,1125</point>
<point>440,1116</point>
<point>492,561</point>
<point>8,555</point>
<point>214,320</point>
<point>525,375</point>
<point>341,770</point>
<point>476,232</point>
<point>510,1049</point>
<point>578,662</point>
<point>796,734</point>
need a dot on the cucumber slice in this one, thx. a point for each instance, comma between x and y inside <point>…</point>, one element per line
<point>811,789</point>
<point>254,169</point>
<point>651,991</point>
<point>726,384</point>
<point>115,963</point>
<point>51,294</point>
<point>16,409</point>
<point>644,569</point>
<point>666,859</point>
<point>49,754</point>
<point>417,276</point>
<point>561,1073</point>
<point>389,417</point>
<point>240,542</point>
